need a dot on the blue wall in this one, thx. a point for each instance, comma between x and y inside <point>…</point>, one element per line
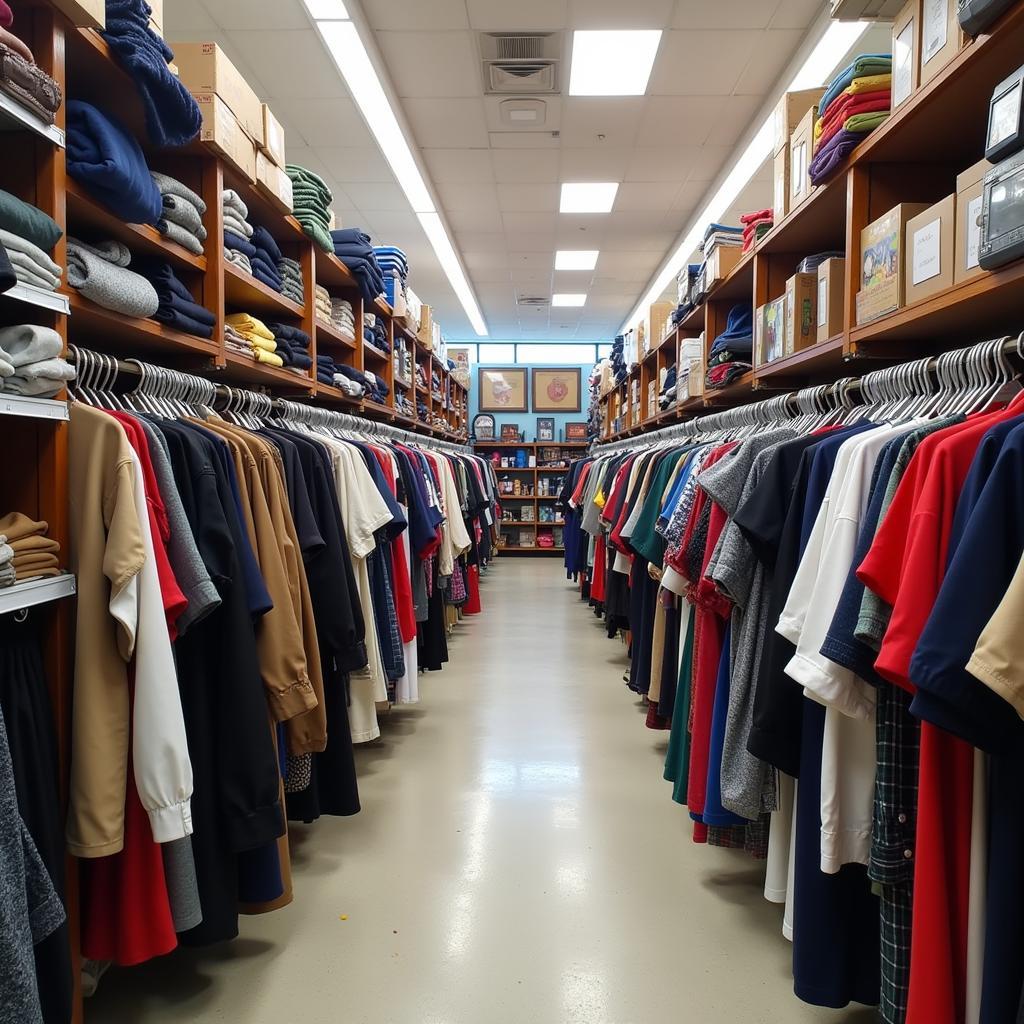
<point>528,420</point>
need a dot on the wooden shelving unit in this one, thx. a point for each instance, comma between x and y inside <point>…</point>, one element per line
<point>913,157</point>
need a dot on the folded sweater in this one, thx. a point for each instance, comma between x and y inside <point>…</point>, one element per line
<point>109,285</point>
<point>29,343</point>
<point>26,221</point>
<point>169,186</point>
<point>866,65</point>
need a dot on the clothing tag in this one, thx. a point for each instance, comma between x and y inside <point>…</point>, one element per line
<point>902,64</point>
<point>973,231</point>
<point>1010,390</point>
<point>926,252</point>
<point>936,20</point>
<point>822,300</point>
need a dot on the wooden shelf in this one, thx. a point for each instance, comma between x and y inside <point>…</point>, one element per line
<point>245,370</point>
<point>335,396</point>
<point>283,226</point>
<point>816,225</point>
<point>693,321</point>
<point>822,360</point>
<point>331,272</point>
<point>403,382</point>
<point>86,212</point>
<point>331,334</point>
<point>244,294</point>
<point>374,354</point>
<point>15,117</point>
<point>737,285</point>
<point>379,411</point>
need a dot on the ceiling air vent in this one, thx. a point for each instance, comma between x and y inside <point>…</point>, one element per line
<point>533,300</point>
<point>516,63</point>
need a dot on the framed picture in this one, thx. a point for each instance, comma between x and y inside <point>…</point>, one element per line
<point>510,431</point>
<point>460,356</point>
<point>575,431</point>
<point>483,427</point>
<point>556,390</point>
<point>545,428</point>
<point>503,389</point>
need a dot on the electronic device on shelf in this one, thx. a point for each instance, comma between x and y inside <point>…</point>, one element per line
<point>1005,134</point>
<point>1002,214</point>
<point>976,15</point>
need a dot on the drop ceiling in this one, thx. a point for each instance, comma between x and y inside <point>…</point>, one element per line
<point>718,64</point>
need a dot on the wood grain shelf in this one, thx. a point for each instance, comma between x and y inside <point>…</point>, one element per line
<point>331,272</point>
<point>374,354</point>
<point>333,336</point>
<point>825,359</point>
<point>335,396</point>
<point>738,284</point>
<point>242,369</point>
<point>379,411</point>
<point>816,225</point>
<point>244,294</point>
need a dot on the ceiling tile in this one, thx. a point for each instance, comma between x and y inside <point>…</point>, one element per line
<point>458,166</point>
<point>689,195</point>
<point>738,14</point>
<point>411,15</point>
<point>645,195</point>
<point>377,196</point>
<point>447,123</point>
<point>188,20</point>
<point>586,118</point>
<point>482,241</point>
<point>704,63</point>
<point>608,14</point>
<point>431,63</point>
<point>468,196</point>
<point>485,274</point>
<point>599,163</point>
<point>321,122</point>
<point>523,140</point>
<point>526,222</point>
<point>541,261</point>
<point>768,61</point>
<point>292,63</point>
<point>689,119</point>
<point>663,163</point>
<point>357,165</point>
<point>521,16</point>
<point>796,14</point>
<point>522,166</point>
<point>484,260</point>
<point>734,118</point>
<point>475,220</point>
<point>513,198</point>
<point>244,14</point>
<point>394,228</point>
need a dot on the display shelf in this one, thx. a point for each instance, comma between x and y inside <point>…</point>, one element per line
<point>34,592</point>
<point>379,411</point>
<point>84,211</point>
<point>403,382</point>
<point>331,272</point>
<point>244,294</point>
<point>737,284</point>
<point>26,407</point>
<point>693,321</point>
<point>15,117</point>
<point>381,306</point>
<point>373,354</point>
<point>335,396</point>
<point>283,226</point>
<point>245,370</point>
<point>821,360</point>
<point>816,225</point>
<point>742,388</point>
<point>333,335</point>
<point>56,302</point>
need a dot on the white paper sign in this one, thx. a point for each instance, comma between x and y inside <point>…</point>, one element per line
<point>936,22</point>
<point>822,300</point>
<point>902,64</point>
<point>926,252</point>
<point>973,231</point>
<point>798,168</point>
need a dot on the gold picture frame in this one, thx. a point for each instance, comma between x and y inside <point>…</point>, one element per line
<point>557,389</point>
<point>503,389</point>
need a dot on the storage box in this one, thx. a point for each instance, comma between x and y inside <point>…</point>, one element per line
<point>941,36</point>
<point>426,331</point>
<point>224,135</point>
<point>790,112</point>
<point>882,251</point>
<point>274,183</point>
<point>801,316</point>
<point>780,198</point>
<point>657,322</point>
<point>769,331</point>
<point>690,348</point>
<point>273,137</point>
<point>906,52</point>
<point>801,147</point>
<point>691,383</point>
<point>205,68</point>
<point>969,186</point>
<point>831,292</point>
<point>652,399</point>
<point>929,263</point>
<point>721,262</point>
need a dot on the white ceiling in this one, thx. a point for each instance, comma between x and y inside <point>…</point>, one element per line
<point>719,62</point>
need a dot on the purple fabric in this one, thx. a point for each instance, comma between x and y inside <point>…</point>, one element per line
<point>833,153</point>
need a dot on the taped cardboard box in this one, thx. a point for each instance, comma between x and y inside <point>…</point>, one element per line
<point>929,260</point>
<point>205,68</point>
<point>273,137</point>
<point>790,112</point>
<point>274,183</point>
<point>224,135</point>
<point>831,291</point>
<point>969,188</point>
<point>882,254</point>
<point>801,318</point>
<point>906,52</point>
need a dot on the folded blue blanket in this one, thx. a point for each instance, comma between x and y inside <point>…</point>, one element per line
<point>243,245</point>
<point>109,163</point>
<point>263,239</point>
<point>173,117</point>
<point>264,279</point>
<point>351,236</point>
<point>268,269</point>
<point>183,322</point>
<point>288,333</point>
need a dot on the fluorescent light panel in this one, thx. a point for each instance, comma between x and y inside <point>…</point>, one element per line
<point>569,299</point>
<point>576,259</point>
<point>612,63</point>
<point>350,56</point>
<point>326,10</point>
<point>836,41</point>
<point>588,196</point>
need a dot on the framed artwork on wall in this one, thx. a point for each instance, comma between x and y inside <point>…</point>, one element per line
<point>510,431</point>
<point>503,389</point>
<point>556,389</point>
<point>545,428</point>
<point>575,431</point>
<point>483,427</point>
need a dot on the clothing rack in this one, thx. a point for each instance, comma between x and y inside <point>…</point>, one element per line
<point>99,371</point>
<point>960,370</point>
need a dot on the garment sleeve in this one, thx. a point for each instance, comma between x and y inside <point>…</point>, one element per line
<point>998,658</point>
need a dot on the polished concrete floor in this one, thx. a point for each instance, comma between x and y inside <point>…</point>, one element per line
<point>518,860</point>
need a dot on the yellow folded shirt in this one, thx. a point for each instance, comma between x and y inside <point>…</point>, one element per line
<point>243,323</point>
<point>261,343</point>
<point>261,355</point>
<point>869,83</point>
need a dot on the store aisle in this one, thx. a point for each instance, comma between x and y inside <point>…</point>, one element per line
<point>518,861</point>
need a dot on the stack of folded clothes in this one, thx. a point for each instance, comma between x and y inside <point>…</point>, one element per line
<point>107,161</point>
<point>291,280</point>
<point>30,361</point>
<point>374,332</point>
<point>173,117</point>
<point>350,380</point>
<point>22,79</point>
<point>322,303</point>
<point>755,225</point>
<point>235,342</point>
<point>810,264</point>
<point>733,349</point>
<point>262,343</point>
<point>353,248</point>
<point>394,265</point>
<point>720,234</point>
<point>268,255</point>
<point>26,552</point>
<point>326,368</point>
<point>856,102</point>
<point>376,389</point>
<point>183,210</point>
<point>404,406</point>
<point>422,412</point>
<point>667,394</point>
<point>310,201</point>
<point>177,308</point>
<point>99,271</point>
<point>28,235</point>
<point>618,359</point>
<point>292,346</point>
<point>238,250</point>
<point>343,317</point>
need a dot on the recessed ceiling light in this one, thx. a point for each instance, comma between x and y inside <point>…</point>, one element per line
<point>569,299</point>
<point>588,196</point>
<point>326,10</point>
<point>576,259</point>
<point>612,63</point>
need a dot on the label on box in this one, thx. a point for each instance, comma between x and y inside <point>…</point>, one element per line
<point>927,256</point>
<point>973,231</point>
<point>903,64</point>
<point>798,168</point>
<point>780,198</point>
<point>934,27</point>
<point>822,300</point>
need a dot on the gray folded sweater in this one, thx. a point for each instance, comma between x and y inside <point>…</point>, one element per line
<point>185,238</point>
<point>233,201</point>
<point>181,212</point>
<point>29,343</point>
<point>109,285</point>
<point>169,186</point>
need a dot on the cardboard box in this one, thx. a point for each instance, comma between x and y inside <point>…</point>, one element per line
<point>205,68</point>
<point>769,331</point>
<point>426,331</point>
<point>790,112</point>
<point>780,200</point>
<point>652,399</point>
<point>156,14</point>
<point>84,13</point>
<point>224,135</point>
<point>801,316</point>
<point>967,236</point>
<point>690,348</point>
<point>273,137</point>
<point>721,262</point>
<point>928,267</point>
<point>801,148</point>
<point>656,323</point>
<point>694,381</point>
<point>941,36</point>
<point>274,183</point>
<point>831,292</point>
<point>906,52</point>
<point>882,249</point>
